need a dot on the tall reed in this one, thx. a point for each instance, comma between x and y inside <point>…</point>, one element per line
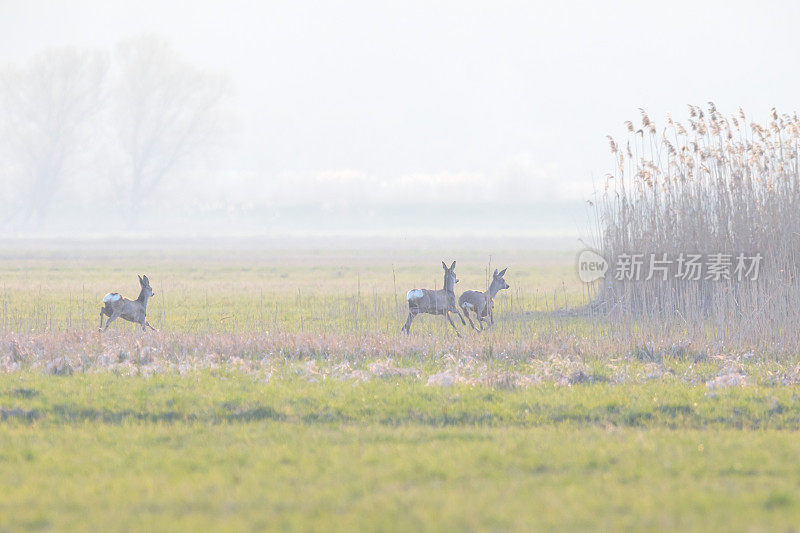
<point>711,184</point>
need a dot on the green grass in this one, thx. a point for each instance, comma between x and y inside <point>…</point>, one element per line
<point>310,291</point>
<point>228,452</point>
<point>279,394</point>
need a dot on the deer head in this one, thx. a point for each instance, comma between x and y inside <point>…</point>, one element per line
<point>498,283</point>
<point>147,291</point>
<point>450,278</point>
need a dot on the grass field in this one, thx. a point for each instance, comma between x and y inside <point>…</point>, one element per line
<point>280,394</point>
<point>312,290</point>
<point>226,451</point>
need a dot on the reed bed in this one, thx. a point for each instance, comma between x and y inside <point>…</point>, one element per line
<point>711,184</point>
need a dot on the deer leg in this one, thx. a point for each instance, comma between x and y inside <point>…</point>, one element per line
<point>102,312</point>
<point>149,326</point>
<point>458,313</point>
<point>471,323</point>
<point>111,319</point>
<point>407,326</point>
<point>449,319</point>
<point>480,324</point>
<point>491,315</point>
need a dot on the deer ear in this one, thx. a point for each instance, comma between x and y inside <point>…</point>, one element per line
<point>141,281</point>
<point>495,273</point>
<point>453,265</point>
<point>444,266</point>
<point>501,274</point>
<point>146,281</point>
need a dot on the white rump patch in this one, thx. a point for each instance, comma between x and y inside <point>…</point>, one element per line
<point>467,305</point>
<point>112,297</point>
<point>414,294</point>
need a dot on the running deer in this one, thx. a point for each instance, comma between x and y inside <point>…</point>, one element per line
<point>441,302</point>
<point>115,306</point>
<point>482,303</point>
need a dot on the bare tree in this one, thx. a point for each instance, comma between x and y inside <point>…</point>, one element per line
<point>45,109</point>
<point>168,112</point>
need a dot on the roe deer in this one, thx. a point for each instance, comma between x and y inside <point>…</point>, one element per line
<point>115,306</point>
<point>441,302</point>
<point>482,303</point>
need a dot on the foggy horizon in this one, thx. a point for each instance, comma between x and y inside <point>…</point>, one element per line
<point>406,120</point>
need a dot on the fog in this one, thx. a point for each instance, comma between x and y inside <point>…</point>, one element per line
<point>407,119</point>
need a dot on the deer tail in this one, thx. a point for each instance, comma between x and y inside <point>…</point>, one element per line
<point>414,294</point>
<point>111,297</point>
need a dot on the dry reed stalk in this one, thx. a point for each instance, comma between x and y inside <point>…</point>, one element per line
<point>717,184</point>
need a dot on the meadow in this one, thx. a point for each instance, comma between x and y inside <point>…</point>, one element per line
<point>279,393</point>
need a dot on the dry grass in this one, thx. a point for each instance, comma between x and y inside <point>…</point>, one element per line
<point>488,361</point>
<point>713,184</point>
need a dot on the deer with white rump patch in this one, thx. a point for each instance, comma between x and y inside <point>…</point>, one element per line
<point>482,303</point>
<point>115,306</point>
<point>441,302</point>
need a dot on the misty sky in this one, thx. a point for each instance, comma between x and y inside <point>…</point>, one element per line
<point>508,99</point>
